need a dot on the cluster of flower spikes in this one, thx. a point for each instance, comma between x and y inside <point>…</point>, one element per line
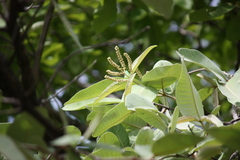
<point>121,68</point>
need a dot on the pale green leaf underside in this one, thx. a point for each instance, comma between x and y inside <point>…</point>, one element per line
<point>140,58</point>
<point>187,97</point>
<point>147,92</point>
<point>134,101</point>
<point>152,118</point>
<point>114,87</point>
<point>232,89</point>
<point>113,117</point>
<point>200,59</point>
<point>174,119</point>
<point>165,75</point>
<point>91,92</point>
<point>174,143</point>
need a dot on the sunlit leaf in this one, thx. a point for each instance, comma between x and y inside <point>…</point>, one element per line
<point>231,89</point>
<point>174,143</point>
<point>197,57</point>
<point>91,92</point>
<point>85,103</point>
<point>162,76</point>
<point>113,117</point>
<point>129,84</point>
<point>134,101</point>
<point>205,92</point>
<point>187,97</point>
<point>174,120</point>
<point>140,58</point>
<point>149,93</point>
<point>144,141</point>
<point>115,86</point>
<point>208,152</point>
<point>67,139</point>
<point>212,119</point>
<point>152,118</point>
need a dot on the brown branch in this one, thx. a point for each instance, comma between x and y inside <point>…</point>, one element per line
<point>39,51</point>
<point>163,106</point>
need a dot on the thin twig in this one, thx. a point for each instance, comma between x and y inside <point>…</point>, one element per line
<point>163,106</point>
<point>197,70</point>
<point>41,42</point>
<point>73,80</point>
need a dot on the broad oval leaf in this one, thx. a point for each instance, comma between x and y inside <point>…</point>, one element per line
<point>200,59</point>
<point>134,101</point>
<point>113,117</point>
<point>158,120</point>
<point>187,97</point>
<point>149,93</point>
<point>140,58</point>
<point>83,104</point>
<point>232,89</point>
<point>162,76</point>
<point>91,92</point>
<point>174,143</point>
<point>115,86</point>
<point>144,141</point>
<point>231,134</point>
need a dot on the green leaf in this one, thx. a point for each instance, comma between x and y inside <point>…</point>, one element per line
<point>216,110</point>
<point>187,97</point>
<point>66,140</point>
<point>174,143</point>
<point>133,123</point>
<point>162,76</point>
<point>221,10</point>
<point>231,135</point>
<point>157,120</point>
<point>134,101</point>
<point>231,89</point>
<point>129,84</point>
<point>10,149</point>
<point>200,15</point>
<point>140,58</point>
<point>212,119</point>
<point>144,141</point>
<point>174,120</point>
<point>91,92</point>
<point>109,138</point>
<point>67,24</point>
<point>208,152</point>
<point>4,127</point>
<point>145,136</point>
<point>87,103</point>
<point>198,58</point>
<point>27,129</point>
<point>232,29</point>
<point>105,15</point>
<point>162,6</point>
<point>122,135</point>
<point>115,86</point>
<point>73,130</point>
<point>113,117</point>
<point>205,92</point>
<point>162,63</point>
<point>149,93</point>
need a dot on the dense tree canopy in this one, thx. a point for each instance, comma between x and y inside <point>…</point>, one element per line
<point>50,50</point>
